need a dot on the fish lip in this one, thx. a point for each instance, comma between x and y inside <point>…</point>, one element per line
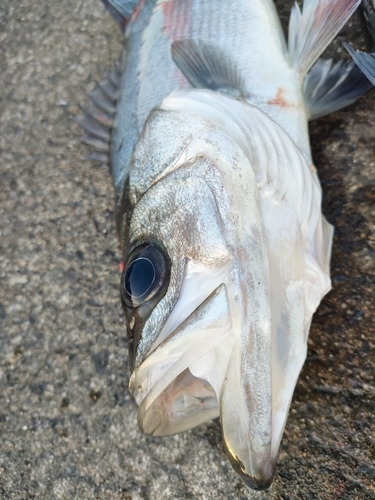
<point>260,482</point>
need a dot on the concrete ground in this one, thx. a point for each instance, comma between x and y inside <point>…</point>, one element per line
<point>67,424</point>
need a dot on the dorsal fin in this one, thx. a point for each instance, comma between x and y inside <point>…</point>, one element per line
<point>97,120</point>
<point>328,88</point>
<point>311,30</point>
<point>207,67</point>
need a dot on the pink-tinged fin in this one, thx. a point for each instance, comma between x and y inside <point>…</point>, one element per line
<point>328,88</point>
<point>364,61</point>
<point>313,29</point>
<point>121,10</point>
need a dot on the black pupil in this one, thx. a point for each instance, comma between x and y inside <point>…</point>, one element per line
<point>139,277</point>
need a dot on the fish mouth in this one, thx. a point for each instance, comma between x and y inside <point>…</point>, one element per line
<point>188,401</point>
<point>178,385</point>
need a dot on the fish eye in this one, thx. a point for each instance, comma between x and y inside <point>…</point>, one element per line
<point>145,274</point>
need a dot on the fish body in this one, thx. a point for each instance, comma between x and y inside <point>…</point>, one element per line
<point>226,251</point>
<point>227,28</point>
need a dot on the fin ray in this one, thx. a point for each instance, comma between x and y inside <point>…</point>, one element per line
<point>97,120</point>
<point>312,29</point>
<point>97,144</point>
<point>328,88</point>
<point>91,126</point>
<point>103,115</point>
<point>106,106</point>
<point>364,61</point>
<point>207,67</point>
<point>99,157</point>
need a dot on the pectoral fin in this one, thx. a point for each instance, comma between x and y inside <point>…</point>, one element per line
<point>207,67</point>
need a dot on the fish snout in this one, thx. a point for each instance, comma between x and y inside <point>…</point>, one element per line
<point>260,477</point>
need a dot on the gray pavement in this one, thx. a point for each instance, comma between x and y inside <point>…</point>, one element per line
<point>68,427</point>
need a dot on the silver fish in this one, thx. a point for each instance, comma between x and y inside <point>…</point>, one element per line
<point>218,206</point>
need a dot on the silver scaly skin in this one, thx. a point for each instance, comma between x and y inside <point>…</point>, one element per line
<point>218,205</point>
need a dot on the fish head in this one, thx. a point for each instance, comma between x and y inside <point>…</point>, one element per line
<point>177,263</point>
<point>217,288</point>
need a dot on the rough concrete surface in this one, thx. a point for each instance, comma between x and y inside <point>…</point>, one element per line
<point>67,424</point>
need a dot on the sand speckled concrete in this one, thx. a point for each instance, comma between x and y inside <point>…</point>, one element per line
<point>68,427</point>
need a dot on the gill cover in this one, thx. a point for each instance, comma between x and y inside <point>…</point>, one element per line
<point>238,210</point>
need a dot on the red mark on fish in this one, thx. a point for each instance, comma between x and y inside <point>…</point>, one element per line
<point>176,27</point>
<point>279,99</point>
<point>176,18</point>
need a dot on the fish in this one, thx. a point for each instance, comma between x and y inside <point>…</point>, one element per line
<point>226,252</point>
<point>366,61</point>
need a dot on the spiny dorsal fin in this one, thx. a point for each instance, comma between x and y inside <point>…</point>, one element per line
<point>328,88</point>
<point>207,67</point>
<point>311,30</point>
<point>97,120</point>
<point>120,10</point>
<point>364,61</point>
